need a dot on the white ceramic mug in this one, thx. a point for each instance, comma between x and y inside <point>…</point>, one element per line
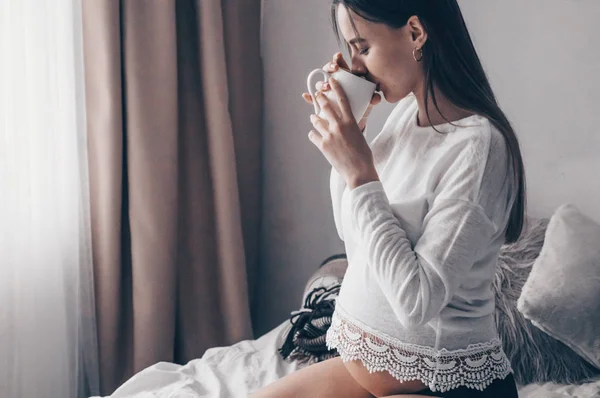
<point>358,90</point>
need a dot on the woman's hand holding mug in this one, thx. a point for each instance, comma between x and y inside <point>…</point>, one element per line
<point>336,132</point>
<point>331,67</point>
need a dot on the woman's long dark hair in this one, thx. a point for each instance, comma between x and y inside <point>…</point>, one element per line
<point>451,64</point>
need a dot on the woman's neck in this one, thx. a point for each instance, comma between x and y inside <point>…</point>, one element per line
<point>447,110</point>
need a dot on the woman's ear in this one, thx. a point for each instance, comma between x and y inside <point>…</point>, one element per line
<point>417,31</point>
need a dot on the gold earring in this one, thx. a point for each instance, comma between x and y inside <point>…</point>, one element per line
<point>418,54</point>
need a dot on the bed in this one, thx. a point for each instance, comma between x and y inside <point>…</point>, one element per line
<point>238,370</point>
<point>547,333</point>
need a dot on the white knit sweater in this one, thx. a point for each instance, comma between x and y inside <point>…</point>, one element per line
<point>422,246</point>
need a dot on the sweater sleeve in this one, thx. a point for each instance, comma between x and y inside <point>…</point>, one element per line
<point>418,283</point>
<point>337,186</point>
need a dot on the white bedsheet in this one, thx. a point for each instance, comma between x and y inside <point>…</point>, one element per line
<point>238,370</point>
<point>222,372</point>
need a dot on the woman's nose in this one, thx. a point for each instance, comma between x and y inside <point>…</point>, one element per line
<point>359,72</point>
<point>358,68</point>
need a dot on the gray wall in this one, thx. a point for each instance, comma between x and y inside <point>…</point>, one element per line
<point>543,60</point>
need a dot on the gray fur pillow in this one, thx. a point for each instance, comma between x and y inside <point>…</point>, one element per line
<point>535,356</point>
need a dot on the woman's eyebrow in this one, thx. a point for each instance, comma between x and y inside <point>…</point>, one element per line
<point>356,40</point>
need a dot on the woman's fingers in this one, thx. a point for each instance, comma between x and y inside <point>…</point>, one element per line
<point>338,59</point>
<point>336,63</point>
<point>376,99</point>
<point>331,67</point>
<point>309,99</point>
<point>321,87</point>
<point>327,111</point>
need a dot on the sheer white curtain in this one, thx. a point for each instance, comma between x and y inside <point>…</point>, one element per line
<point>47,324</point>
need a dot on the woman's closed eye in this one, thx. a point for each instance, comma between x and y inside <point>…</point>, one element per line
<point>364,51</point>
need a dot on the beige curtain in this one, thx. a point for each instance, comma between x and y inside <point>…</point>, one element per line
<point>174,116</point>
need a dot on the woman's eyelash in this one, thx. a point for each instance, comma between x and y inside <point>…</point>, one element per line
<point>364,51</point>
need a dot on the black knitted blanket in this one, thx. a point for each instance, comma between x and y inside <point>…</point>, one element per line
<point>305,341</point>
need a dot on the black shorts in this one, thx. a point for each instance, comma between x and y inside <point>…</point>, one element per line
<point>505,388</point>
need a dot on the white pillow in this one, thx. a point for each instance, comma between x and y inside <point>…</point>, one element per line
<point>562,293</point>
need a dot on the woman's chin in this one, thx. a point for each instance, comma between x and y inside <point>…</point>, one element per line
<point>394,97</point>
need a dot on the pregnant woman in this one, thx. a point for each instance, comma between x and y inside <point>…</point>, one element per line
<point>423,211</point>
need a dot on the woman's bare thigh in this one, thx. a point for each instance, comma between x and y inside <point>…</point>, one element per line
<point>381,384</point>
<point>325,379</point>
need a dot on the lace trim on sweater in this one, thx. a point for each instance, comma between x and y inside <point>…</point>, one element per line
<point>475,367</point>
